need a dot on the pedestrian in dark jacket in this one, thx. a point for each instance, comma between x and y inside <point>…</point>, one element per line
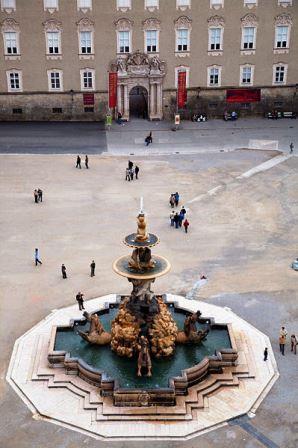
<point>36,257</point>
<point>63,270</point>
<point>181,217</point>
<point>186,225</point>
<point>86,162</point>
<point>92,267</point>
<point>78,165</point>
<point>137,169</point>
<point>266,354</point>
<point>177,197</point>
<point>130,165</point>
<point>39,191</point>
<point>183,211</point>
<point>172,200</point>
<point>35,196</point>
<point>131,173</point>
<point>176,220</point>
<point>80,300</point>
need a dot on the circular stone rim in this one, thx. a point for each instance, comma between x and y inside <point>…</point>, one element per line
<point>146,276</point>
<point>147,243</point>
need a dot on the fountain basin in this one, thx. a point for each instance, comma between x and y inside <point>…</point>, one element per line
<point>116,376</point>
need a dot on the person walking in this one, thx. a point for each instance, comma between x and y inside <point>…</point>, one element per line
<point>127,174</point>
<point>282,340</point>
<point>92,267</point>
<point>137,169</point>
<point>80,300</point>
<point>172,215</point>
<point>177,198</point>
<point>176,220</point>
<point>86,162</point>
<point>181,217</point>
<point>291,148</point>
<point>39,191</point>
<point>35,196</point>
<point>183,211</point>
<point>265,354</point>
<point>186,225</point>
<point>148,139</point>
<point>172,200</point>
<point>78,165</point>
<point>36,257</point>
<point>131,173</point>
<point>130,165</point>
<point>63,270</point>
<point>294,343</point>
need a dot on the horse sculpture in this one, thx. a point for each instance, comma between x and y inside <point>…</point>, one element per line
<point>96,334</point>
<point>144,359</point>
<point>190,332</point>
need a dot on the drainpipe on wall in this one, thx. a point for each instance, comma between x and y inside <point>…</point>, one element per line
<point>71,108</point>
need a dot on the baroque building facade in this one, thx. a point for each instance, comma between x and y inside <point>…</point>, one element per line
<point>56,56</point>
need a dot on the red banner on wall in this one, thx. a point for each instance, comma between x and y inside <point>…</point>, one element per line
<point>112,89</point>
<point>243,95</point>
<point>182,93</point>
<point>88,99</point>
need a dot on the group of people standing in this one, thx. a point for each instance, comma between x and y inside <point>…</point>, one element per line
<point>92,270</point>
<point>178,220</point>
<point>131,171</point>
<point>79,161</point>
<point>283,339</point>
<point>37,195</point>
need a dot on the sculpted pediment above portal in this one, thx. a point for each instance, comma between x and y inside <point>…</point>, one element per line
<point>139,63</point>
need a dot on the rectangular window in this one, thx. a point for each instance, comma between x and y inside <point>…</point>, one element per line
<point>53,42</point>
<point>250,2</point>
<point>51,3</point>
<point>14,81</point>
<point>124,39</point>
<point>17,111</point>
<point>282,36</point>
<point>216,3</point>
<point>55,81</point>
<point>151,41</point>
<point>85,42</point>
<point>248,37</point>
<point>214,76</point>
<point>151,3</point>
<point>88,80</point>
<point>89,109</point>
<point>215,38</point>
<point>280,74</point>
<point>182,40</point>
<point>183,3</point>
<point>85,4</point>
<point>124,3</point>
<point>246,77</point>
<point>57,110</point>
<point>11,43</point>
<point>10,4</point>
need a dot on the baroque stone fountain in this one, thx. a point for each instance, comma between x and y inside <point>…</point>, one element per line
<point>143,329</point>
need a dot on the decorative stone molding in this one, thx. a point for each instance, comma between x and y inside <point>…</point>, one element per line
<point>183,22</point>
<point>84,9</point>
<point>85,24</point>
<point>51,9</point>
<point>216,21</point>
<point>249,20</point>
<point>151,24</point>
<point>123,24</point>
<point>250,5</point>
<point>52,25</point>
<point>283,19</point>
<point>10,25</point>
<point>123,8</point>
<point>216,4</point>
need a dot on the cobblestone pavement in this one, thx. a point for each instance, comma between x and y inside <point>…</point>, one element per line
<point>243,236</point>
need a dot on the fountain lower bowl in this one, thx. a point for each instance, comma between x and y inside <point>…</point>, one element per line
<point>116,376</point>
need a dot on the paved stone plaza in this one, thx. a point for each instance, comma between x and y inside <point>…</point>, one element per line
<point>242,235</point>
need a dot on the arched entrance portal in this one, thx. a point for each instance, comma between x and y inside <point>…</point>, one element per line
<point>138,102</point>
